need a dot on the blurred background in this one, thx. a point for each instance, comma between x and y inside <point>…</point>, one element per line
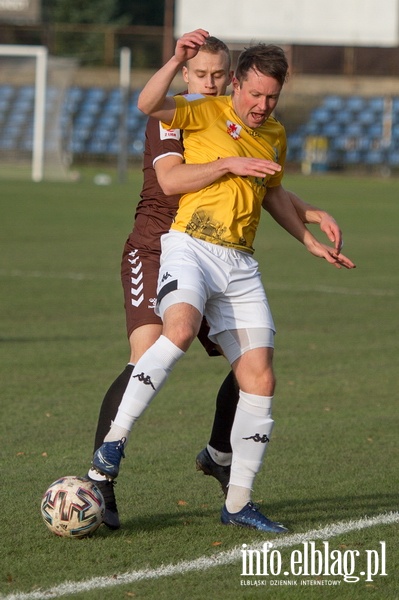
<point>70,73</point>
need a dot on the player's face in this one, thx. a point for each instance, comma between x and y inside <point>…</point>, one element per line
<point>208,74</point>
<point>256,98</point>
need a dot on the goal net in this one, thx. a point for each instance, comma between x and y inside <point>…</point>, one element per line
<point>34,121</point>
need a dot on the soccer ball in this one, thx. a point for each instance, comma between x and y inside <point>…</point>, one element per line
<point>72,507</point>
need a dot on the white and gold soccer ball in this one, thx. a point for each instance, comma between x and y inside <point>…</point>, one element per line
<point>72,507</point>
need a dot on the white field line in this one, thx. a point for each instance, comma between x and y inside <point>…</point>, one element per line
<point>321,289</point>
<point>204,562</point>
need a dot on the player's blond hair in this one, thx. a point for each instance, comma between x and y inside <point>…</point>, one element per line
<point>214,46</point>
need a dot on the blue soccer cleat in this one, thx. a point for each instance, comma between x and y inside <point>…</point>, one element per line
<point>250,517</point>
<point>107,458</point>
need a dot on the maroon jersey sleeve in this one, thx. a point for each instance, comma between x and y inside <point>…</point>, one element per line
<point>158,142</point>
<point>155,211</point>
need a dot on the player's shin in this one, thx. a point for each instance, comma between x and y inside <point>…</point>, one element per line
<point>250,436</point>
<point>148,377</point>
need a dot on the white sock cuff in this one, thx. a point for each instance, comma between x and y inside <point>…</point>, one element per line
<point>220,458</point>
<point>169,349</point>
<point>255,405</point>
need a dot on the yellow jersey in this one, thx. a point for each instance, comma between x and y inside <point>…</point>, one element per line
<point>226,212</point>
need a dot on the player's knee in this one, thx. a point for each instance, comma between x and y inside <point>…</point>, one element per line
<point>265,383</point>
<point>181,332</point>
<point>260,382</point>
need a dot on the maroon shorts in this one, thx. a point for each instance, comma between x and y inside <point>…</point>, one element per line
<point>139,274</point>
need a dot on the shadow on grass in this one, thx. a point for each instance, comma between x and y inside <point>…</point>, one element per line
<point>296,515</point>
<point>321,511</point>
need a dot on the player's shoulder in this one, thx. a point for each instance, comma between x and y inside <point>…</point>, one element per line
<point>274,122</point>
<point>202,99</point>
<point>273,125</point>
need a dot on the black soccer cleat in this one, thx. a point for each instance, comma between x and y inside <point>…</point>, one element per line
<point>111,516</point>
<point>206,464</point>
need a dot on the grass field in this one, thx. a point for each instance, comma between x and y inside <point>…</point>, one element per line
<point>334,452</point>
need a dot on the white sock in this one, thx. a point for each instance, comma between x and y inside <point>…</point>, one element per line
<point>250,435</point>
<point>96,476</point>
<point>148,377</point>
<point>237,498</point>
<point>220,458</point>
<point>117,433</point>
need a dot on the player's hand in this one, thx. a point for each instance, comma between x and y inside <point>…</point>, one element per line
<point>337,259</point>
<point>330,227</point>
<point>255,167</point>
<point>189,44</point>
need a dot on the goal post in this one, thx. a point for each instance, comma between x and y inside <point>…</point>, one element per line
<point>33,123</point>
<point>39,53</point>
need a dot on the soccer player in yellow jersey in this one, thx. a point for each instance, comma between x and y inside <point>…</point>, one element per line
<point>207,265</point>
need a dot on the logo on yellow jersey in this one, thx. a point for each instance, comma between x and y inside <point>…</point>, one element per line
<point>234,130</point>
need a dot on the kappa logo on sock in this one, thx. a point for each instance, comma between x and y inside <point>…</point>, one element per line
<point>146,379</point>
<point>263,439</point>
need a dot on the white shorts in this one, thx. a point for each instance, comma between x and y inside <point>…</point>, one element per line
<point>224,284</point>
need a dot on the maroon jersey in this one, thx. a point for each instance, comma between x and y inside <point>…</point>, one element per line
<point>154,215</point>
<point>155,211</point>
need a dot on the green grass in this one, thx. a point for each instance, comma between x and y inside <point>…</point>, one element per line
<point>334,451</point>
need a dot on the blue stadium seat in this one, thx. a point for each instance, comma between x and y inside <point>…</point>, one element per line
<point>395,131</point>
<point>7,92</point>
<point>133,121</point>
<point>102,135</point>
<point>76,147</point>
<point>90,107</point>
<point>27,144</point>
<point>364,143</point>
<point>96,94</point>
<point>8,143</point>
<point>23,105</point>
<point>311,128</point>
<point>333,103</point>
<point>355,103</point>
<point>393,158</point>
<point>374,157</point>
<point>16,119</point>
<point>112,107</point>
<point>114,94</point>
<point>331,130</point>
<point>344,116</point>
<point>81,134</point>
<point>366,117</point>
<point>353,157</point>
<point>11,130</point>
<point>375,130</point>
<point>4,105</point>
<point>113,147</point>
<point>354,130</point>
<point>73,99</point>
<point>96,147</point>
<point>108,121</point>
<point>85,120</point>
<point>26,92</point>
<point>376,104</point>
<point>321,115</point>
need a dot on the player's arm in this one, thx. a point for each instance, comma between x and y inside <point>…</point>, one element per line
<point>176,177</point>
<point>278,203</point>
<point>311,214</point>
<point>153,99</point>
